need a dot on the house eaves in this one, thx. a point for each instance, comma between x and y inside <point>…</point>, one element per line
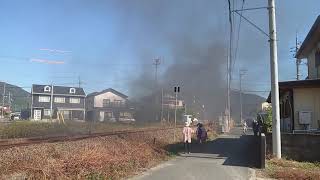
<point>310,41</point>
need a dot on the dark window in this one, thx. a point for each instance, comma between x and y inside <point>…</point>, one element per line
<point>317,58</point>
<point>317,62</point>
<point>106,103</point>
<point>108,116</point>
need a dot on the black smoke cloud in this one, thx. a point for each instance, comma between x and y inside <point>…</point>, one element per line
<point>193,38</point>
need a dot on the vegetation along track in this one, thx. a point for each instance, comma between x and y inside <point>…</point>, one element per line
<point>8,143</point>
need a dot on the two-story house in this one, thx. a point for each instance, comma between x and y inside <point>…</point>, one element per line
<point>108,105</point>
<point>300,100</point>
<point>50,101</point>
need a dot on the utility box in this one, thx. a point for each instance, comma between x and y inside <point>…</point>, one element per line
<point>305,117</point>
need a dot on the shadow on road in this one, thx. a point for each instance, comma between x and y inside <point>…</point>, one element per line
<point>236,150</point>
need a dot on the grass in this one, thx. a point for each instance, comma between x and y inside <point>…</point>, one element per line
<point>291,170</point>
<point>21,129</point>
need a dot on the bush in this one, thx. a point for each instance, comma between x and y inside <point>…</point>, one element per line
<point>267,124</point>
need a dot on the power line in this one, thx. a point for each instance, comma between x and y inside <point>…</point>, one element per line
<point>238,35</point>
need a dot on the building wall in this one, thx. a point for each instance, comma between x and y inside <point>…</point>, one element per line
<point>98,100</point>
<point>66,105</point>
<point>306,99</point>
<point>313,72</point>
<point>89,103</point>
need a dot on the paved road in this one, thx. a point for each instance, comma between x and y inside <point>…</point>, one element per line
<point>227,157</point>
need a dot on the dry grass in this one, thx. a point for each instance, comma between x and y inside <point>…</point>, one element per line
<point>292,170</point>
<point>22,129</point>
<point>111,157</point>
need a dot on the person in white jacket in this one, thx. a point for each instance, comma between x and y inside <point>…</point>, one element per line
<point>187,133</point>
<point>245,127</point>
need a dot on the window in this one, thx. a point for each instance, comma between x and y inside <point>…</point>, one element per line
<point>117,103</point>
<point>125,115</point>
<point>317,62</point>
<point>75,100</point>
<point>108,114</point>
<point>47,89</point>
<point>59,100</point>
<point>106,103</point>
<point>46,112</point>
<point>44,98</point>
<point>72,91</point>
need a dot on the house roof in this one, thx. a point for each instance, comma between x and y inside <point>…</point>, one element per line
<point>36,88</point>
<point>310,41</point>
<point>308,83</point>
<point>288,85</point>
<point>108,90</point>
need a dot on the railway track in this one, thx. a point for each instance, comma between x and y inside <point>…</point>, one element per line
<point>9,143</point>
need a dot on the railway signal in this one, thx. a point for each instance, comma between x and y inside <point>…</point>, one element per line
<point>176,91</point>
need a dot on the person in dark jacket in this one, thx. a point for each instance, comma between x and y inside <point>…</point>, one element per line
<point>199,132</point>
<point>255,127</point>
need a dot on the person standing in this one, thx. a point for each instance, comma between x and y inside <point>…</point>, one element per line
<point>245,126</point>
<point>199,133</point>
<point>255,127</point>
<point>187,132</point>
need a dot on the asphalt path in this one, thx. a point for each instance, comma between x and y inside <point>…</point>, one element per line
<point>230,156</point>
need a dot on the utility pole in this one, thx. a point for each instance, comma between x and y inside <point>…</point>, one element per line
<point>276,139</point>
<point>51,102</point>
<point>241,73</point>
<point>176,91</point>
<point>156,63</point>
<point>79,81</point>
<point>9,100</point>
<point>161,104</point>
<point>229,60</point>
<point>3,95</point>
<point>298,61</point>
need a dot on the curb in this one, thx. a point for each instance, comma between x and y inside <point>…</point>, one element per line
<point>252,174</point>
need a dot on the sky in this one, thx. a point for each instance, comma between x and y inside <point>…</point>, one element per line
<point>108,43</point>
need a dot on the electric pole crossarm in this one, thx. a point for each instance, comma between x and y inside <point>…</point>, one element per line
<point>250,22</point>
<point>249,9</point>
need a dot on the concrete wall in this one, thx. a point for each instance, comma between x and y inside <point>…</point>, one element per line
<point>306,99</point>
<point>98,100</point>
<point>301,147</point>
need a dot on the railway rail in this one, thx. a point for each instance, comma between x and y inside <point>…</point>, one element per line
<point>9,143</point>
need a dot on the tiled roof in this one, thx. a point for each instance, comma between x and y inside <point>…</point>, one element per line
<point>108,90</point>
<point>58,90</point>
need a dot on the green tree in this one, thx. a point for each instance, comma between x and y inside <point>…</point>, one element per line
<point>268,120</point>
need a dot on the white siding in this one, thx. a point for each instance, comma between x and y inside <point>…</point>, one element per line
<point>98,100</point>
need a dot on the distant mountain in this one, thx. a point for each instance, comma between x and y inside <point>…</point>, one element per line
<point>20,99</point>
<point>251,104</point>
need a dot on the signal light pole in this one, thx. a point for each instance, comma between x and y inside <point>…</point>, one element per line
<point>176,91</point>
